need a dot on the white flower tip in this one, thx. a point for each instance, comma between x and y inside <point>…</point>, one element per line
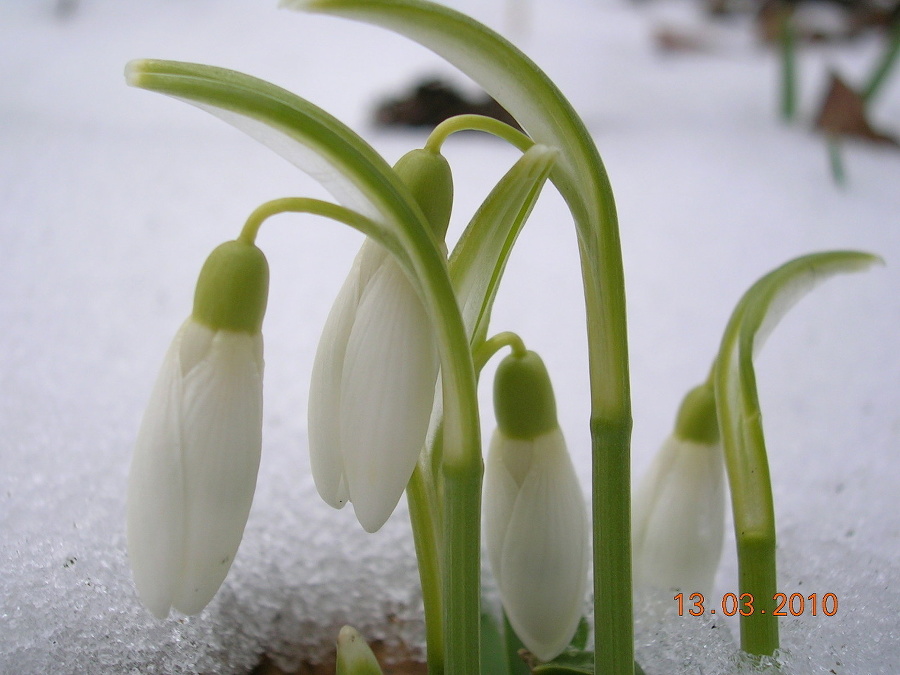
<point>372,517</point>
<point>354,656</point>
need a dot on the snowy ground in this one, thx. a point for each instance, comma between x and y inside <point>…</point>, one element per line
<point>110,199</point>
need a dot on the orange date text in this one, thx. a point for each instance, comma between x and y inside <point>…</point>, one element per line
<point>783,604</point>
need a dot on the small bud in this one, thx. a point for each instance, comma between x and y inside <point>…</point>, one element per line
<point>354,657</point>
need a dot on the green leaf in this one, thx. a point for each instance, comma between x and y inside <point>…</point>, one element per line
<point>756,315</point>
<point>579,640</point>
<point>305,135</point>
<point>545,114</point>
<point>493,648</point>
<point>479,258</point>
<point>740,425</point>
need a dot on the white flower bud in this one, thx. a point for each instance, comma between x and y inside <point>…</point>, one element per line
<point>535,518</point>
<point>372,389</point>
<point>195,463</point>
<point>678,511</point>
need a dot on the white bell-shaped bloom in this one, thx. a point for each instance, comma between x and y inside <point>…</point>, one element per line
<point>537,544</point>
<point>678,511</point>
<point>372,389</point>
<point>535,520</point>
<point>195,463</point>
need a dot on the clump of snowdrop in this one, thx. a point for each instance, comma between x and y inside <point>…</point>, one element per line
<point>534,514</point>
<point>679,506</point>
<point>194,469</point>
<point>406,311</point>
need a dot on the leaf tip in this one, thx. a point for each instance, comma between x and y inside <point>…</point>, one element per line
<point>297,5</point>
<point>877,260</point>
<point>134,69</point>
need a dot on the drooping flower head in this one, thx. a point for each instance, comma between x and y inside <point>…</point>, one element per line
<point>195,463</point>
<point>678,512</point>
<point>535,516</point>
<point>375,370</point>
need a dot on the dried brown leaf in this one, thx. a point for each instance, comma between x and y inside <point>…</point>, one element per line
<point>843,113</point>
<point>431,102</point>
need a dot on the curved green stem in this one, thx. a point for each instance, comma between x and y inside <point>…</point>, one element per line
<point>740,424</point>
<point>477,123</point>
<point>325,209</point>
<point>492,345</point>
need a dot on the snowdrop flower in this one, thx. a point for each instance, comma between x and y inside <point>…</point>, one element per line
<point>195,463</point>
<point>372,389</point>
<point>535,518</point>
<point>376,366</point>
<point>678,513</point>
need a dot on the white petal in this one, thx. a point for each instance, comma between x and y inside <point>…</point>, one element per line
<point>326,455</point>
<point>500,490</point>
<point>679,518</point>
<point>542,571</point>
<point>222,437</point>
<point>155,511</point>
<point>387,393</point>
<point>323,414</point>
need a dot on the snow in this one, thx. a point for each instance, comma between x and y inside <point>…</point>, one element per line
<point>112,198</point>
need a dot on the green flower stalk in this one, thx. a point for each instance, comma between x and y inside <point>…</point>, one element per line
<point>787,50</point>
